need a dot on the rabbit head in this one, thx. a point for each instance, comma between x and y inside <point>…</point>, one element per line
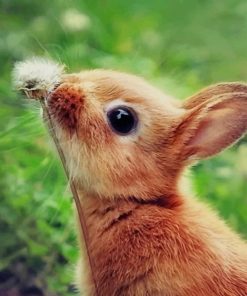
<point>124,138</point>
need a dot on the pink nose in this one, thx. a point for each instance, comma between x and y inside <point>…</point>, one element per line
<point>65,105</point>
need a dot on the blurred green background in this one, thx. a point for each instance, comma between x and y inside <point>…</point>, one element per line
<point>178,45</point>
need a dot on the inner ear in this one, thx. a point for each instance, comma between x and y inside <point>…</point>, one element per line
<point>215,125</point>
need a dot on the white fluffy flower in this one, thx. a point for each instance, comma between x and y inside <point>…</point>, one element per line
<point>37,74</point>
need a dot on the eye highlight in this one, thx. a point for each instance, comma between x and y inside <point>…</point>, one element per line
<point>122,120</point>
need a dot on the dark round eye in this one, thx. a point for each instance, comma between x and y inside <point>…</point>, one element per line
<point>122,119</point>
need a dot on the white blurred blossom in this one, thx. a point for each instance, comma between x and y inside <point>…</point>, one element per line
<point>224,172</point>
<point>74,20</point>
<point>242,159</point>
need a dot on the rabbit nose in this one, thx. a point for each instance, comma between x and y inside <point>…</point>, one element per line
<point>65,105</point>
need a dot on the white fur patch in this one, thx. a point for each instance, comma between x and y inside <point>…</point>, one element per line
<point>37,74</point>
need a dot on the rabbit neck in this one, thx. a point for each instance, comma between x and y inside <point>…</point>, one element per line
<point>160,236</point>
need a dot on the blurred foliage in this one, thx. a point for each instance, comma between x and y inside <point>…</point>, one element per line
<point>178,45</point>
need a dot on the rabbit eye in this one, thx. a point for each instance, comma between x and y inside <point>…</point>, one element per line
<point>122,119</point>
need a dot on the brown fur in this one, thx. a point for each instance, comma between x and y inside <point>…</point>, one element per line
<point>145,236</point>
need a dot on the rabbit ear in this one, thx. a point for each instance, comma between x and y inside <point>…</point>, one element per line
<point>213,125</point>
<point>214,90</point>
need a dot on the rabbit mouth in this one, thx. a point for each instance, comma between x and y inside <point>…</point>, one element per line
<point>65,105</point>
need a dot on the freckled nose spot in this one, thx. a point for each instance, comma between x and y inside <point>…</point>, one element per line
<point>66,104</point>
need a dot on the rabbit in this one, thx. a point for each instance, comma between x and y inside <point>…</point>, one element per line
<point>127,146</point>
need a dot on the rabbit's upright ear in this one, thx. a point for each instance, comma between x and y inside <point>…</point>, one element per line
<point>214,119</point>
<point>214,90</point>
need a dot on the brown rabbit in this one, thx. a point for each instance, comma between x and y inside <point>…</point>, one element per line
<point>127,146</point>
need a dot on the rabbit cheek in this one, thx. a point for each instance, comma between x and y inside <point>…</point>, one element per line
<point>65,106</point>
